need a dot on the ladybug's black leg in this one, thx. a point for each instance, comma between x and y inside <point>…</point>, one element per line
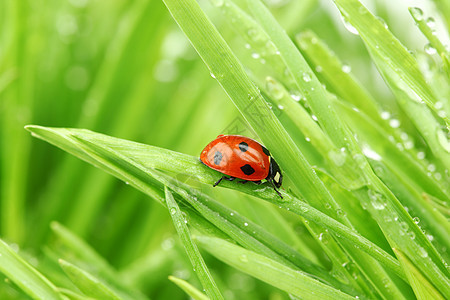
<point>224,177</point>
<point>275,188</point>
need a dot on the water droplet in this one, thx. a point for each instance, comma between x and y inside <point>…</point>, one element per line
<point>338,157</point>
<point>256,55</point>
<point>349,27</point>
<point>383,22</point>
<point>314,118</point>
<point>319,69</point>
<point>376,199</point>
<point>368,152</point>
<point>438,105</point>
<point>346,68</point>
<point>173,211</point>
<point>430,49</point>
<point>306,77</point>
<point>212,75</point>
<point>412,235</point>
<point>280,106</point>
<point>416,13</point>
<point>385,115</point>
<point>231,214</point>
<point>243,258</point>
<point>431,168</point>
<point>443,140</point>
<point>274,88</point>
<point>307,139</point>
<point>245,224</point>
<point>296,95</point>
<point>421,155</point>
<point>394,123</point>
<point>422,252</point>
<point>416,220</point>
<point>431,22</point>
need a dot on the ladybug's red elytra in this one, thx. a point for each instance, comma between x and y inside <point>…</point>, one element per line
<point>241,157</point>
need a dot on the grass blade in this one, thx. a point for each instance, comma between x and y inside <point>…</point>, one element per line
<point>88,284</point>
<point>293,282</point>
<point>188,288</point>
<point>420,284</point>
<point>25,276</point>
<point>195,257</point>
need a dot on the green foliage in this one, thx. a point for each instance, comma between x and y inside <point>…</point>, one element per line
<point>365,157</point>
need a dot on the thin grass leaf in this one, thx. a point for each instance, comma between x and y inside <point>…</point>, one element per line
<point>195,257</point>
<point>27,278</point>
<point>88,284</point>
<point>423,289</point>
<point>293,282</point>
<point>188,288</point>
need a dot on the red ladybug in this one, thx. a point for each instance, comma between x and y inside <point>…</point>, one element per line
<point>241,157</point>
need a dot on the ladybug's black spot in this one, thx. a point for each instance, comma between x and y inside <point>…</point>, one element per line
<point>247,169</point>
<point>217,158</point>
<point>243,146</point>
<point>264,149</point>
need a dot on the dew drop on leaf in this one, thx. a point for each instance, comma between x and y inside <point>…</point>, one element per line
<point>417,13</point>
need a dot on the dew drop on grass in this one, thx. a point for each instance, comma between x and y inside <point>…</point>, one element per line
<point>394,123</point>
<point>307,139</point>
<point>376,199</point>
<point>256,55</point>
<point>173,211</point>
<point>280,106</point>
<point>430,49</point>
<point>420,155</point>
<point>274,88</point>
<point>417,13</point>
<point>306,77</point>
<point>246,224</point>
<point>350,27</point>
<point>212,75</point>
<point>338,157</point>
<point>431,22</point>
<point>319,69</point>
<point>243,258</point>
<point>346,68</point>
<point>296,95</point>
<point>385,115</point>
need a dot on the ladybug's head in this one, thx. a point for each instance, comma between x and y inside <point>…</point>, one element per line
<point>275,173</point>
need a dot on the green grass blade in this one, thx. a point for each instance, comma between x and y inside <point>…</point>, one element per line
<point>195,257</point>
<point>423,288</point>
<point>25,276</point>
<point>293,282</point>
<point>188,288</point>
<point>87,283</point>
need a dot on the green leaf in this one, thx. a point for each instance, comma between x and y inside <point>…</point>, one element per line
<point>423,288</point>
<point>188,288</point>
<point>87,283</point>
<point>195,257</point>
<point>291,281</point>
<point>33,283</point>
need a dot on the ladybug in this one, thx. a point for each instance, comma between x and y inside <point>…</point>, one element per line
<point>241,157</point>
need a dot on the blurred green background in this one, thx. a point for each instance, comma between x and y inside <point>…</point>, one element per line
<point>123,68</point>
